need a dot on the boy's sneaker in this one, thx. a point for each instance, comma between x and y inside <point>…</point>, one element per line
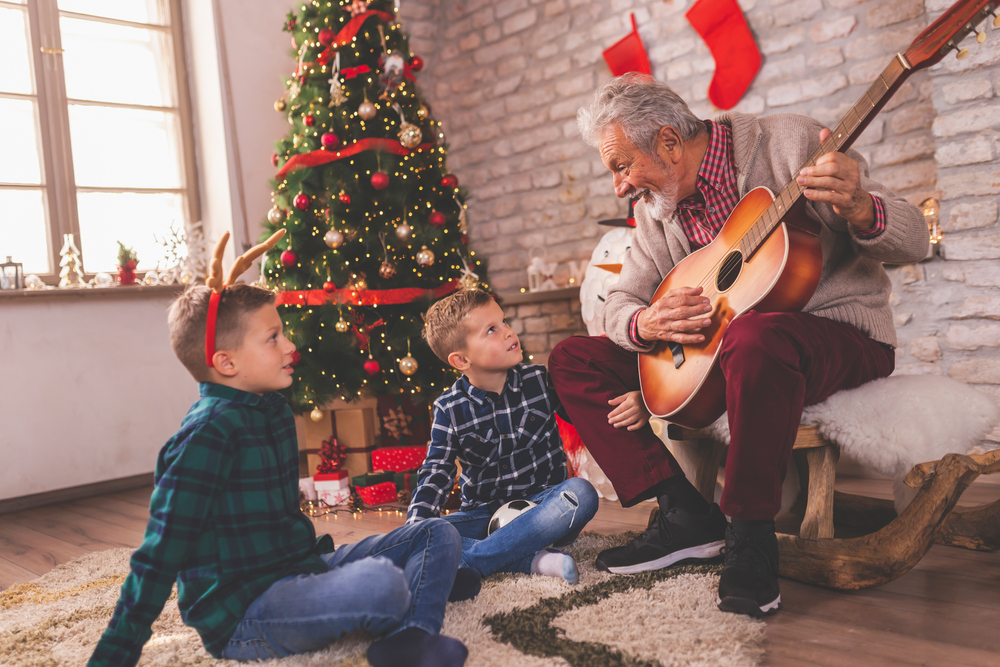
<point>675,536</point>
<point>749,580</point>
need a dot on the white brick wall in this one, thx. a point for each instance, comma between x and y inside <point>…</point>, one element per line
<point>507,78</point>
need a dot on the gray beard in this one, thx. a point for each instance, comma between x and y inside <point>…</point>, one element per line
<point>663,204</point>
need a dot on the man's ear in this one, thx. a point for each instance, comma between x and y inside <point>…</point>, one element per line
<point>458,361</point>
<point>669,144</point>
<point>224,363</point>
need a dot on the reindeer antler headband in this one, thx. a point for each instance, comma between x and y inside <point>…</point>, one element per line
<point>243,262</point>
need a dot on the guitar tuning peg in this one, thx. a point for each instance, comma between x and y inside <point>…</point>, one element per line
<point>962,54</point>
<point>981,36</point>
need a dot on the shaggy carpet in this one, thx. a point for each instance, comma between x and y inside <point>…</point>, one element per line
<point>663,618</point>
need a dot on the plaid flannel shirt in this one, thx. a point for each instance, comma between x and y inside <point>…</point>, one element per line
<point>224,523</point>
<point>703,214</point>
<point>508,444</point>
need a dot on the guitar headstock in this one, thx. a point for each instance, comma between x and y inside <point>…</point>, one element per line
<point>945,34</point>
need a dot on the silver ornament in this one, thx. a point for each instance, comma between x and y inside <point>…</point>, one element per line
<point>404,232</point>
<point>366,111</point>
<point>408,365</point>
<point>425,257</point>
<point>276,215</point>
<point>410,135</point>
<point>333,238</point>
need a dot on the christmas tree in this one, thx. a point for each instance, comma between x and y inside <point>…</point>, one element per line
<point>375,222</point>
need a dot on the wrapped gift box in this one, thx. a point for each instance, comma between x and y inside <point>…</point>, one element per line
<point>404,422</point>
<point>405,480</point>
<point>379,494</point>
<point>398,459</point>
<point>371,478</point>
<point>307,488</point>
<point>331,481</point>
<point>333,496</point>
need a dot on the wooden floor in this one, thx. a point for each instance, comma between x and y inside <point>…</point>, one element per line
<point>946,611</point>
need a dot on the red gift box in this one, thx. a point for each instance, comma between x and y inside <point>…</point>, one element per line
<point>330,476</point>
<point>398,459</point>
<point>378,494</point>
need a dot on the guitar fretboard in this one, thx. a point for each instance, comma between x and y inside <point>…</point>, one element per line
<point>840,139</point>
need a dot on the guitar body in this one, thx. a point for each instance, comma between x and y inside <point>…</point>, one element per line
<point>686,387</point>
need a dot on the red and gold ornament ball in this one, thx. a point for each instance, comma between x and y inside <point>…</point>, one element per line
<point>289,258</point>
<point>380,180</point>
<point>372,367</point>
<point>436,218</point>
<point>344,198</point>
<point>326,36</point>
<point>329,286</point>
<point>329,140</point>
<point>301,201</point>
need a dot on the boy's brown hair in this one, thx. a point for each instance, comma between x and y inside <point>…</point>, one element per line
<point>189,314</point>
<point>444,326</point>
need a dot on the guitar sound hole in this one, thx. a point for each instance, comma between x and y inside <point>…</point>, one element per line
<point>729,272</point>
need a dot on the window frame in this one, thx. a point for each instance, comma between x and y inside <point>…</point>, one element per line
<point>52,104</point>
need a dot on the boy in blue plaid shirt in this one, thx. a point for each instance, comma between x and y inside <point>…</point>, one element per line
<point>498,420</point>
<point>253,578</point>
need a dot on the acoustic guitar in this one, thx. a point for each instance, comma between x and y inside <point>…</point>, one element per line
<point>767,256</point>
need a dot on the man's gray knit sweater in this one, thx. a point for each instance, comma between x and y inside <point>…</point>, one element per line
<point>769,151</point>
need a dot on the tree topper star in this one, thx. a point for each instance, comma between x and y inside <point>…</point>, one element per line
<point>356,7</point>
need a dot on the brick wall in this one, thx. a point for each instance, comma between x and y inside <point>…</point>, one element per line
<point>508,77</point>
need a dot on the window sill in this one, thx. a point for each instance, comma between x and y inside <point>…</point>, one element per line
<point>141,291</point>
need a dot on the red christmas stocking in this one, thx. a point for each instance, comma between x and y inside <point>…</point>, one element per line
<point>737,59</point>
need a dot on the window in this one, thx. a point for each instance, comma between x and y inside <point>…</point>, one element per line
<point>95,131</point>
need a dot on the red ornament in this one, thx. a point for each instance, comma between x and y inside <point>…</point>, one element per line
<point>329,140</point>
<point>301,201</point>
<point>417,63</point>
<point>450,181</point>
<point>296,358</point>
<point>329,286</point>
<point>344,198</point>
<point>436,218</point>
<point>289,258</point>
<point>371,367</point>
<point>274,159</point>
<point>308,120</point>
<point>465,239</point>
<point>380,180</point>
<point>326,36</point>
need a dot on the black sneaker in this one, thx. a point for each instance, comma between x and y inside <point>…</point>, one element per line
<point>749,580</point>
<point>676,536</point>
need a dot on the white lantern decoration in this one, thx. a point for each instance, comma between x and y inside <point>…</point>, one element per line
<point>540,272</point>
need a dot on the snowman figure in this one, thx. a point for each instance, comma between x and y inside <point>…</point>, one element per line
<point>603,274</point>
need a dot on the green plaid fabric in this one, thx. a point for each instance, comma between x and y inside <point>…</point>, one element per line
<point>224,523</point>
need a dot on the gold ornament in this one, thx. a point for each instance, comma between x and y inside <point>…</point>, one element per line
<point>341,326</point>
<point>409,135</point>
<point>297,140</point>
<point>422,112</point>
<point>425,257</point>
<point>333,238</point>
<point>279,105</point>
<point>387,270</point>
<point>404,232</point>
<point>408,365</point>
<point>316,414</point>
<point>276,215</point>
<point>366,111</point>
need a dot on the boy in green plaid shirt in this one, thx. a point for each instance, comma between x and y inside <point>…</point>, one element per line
<point>253,578</point>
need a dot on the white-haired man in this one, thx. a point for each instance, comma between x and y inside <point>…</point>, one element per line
<point>688,175</point>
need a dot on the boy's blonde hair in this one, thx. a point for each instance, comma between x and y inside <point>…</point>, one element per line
<point>189,314</point>
<point>444,326</point>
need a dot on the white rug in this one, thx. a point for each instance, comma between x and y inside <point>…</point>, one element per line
<point>663,618</point>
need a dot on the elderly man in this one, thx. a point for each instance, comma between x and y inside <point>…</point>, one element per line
<point>688,175</point>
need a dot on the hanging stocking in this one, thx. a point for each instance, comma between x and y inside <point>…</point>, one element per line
<point>737,59</point>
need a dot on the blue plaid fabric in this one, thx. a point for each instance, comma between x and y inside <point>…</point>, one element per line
<point>508,444</point>
<point>224,523</point>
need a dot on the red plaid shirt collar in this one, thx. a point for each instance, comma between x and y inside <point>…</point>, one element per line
<point>703,214</point>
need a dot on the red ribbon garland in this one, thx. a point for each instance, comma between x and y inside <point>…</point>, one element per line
<point>351,72</point>
<point>347,33</point>
<point>323,156</point>
<point>369,297</point>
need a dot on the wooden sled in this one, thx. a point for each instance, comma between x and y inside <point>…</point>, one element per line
<point>896,543</point>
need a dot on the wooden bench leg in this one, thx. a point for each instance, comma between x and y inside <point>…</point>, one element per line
<point>817,524</point>
<point>707,469</point>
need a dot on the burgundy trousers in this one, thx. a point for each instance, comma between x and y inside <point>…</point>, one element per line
<point>774,365</point>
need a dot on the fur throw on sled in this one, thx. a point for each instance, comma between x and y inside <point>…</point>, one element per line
<point>892,424</point>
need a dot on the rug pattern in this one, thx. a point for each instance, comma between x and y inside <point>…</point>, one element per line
<point>666,618</point>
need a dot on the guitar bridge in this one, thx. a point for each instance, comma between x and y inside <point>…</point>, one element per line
<point>677,350</point>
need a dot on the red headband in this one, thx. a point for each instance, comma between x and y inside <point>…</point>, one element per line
<point>213,316</point>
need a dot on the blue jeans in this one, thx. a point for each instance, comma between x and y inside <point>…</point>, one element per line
<point>561,513</point>
<point>382,583</point>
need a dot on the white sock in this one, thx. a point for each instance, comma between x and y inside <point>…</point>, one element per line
<point>552,563</point>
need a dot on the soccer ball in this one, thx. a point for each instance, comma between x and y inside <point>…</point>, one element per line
<point>508,513</point>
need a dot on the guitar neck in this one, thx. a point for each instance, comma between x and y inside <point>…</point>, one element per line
<point>842,136</point>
